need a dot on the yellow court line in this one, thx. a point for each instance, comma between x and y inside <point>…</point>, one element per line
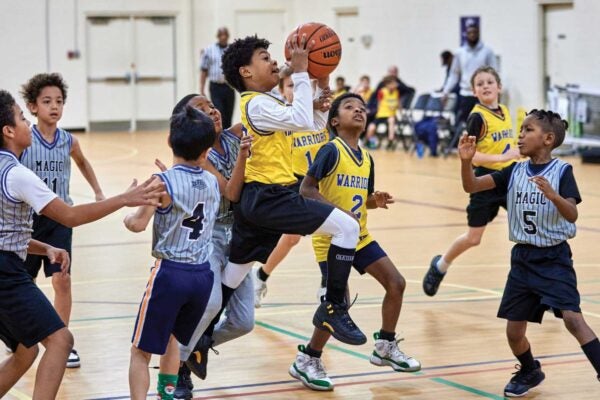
<point>18,394</point>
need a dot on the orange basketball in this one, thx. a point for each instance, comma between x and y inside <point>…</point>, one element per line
<point>327,51</point>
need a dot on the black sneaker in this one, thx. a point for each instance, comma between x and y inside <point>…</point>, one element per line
<point>433,278</point>
<point>335,319</point>
<point>199,358</point>
<point>183,390</point>
<point>523,380</point>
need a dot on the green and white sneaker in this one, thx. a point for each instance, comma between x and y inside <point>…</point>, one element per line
<point>310,371</point>
<point>387,353</point>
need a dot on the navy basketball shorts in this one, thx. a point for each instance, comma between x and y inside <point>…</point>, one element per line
<point>26,315</point>
<point>483,206</point>
<point>363,257</point>
<point>264,213</point>
<point>540,278</point>
<point>51,232</point>
<point>173,303</point>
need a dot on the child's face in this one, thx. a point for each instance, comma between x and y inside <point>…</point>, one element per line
<point>352,116</point>
<point>364,82</point>
<point>288,89</point>
<point>207,107</point>
<point>486,88</point>
<point>21,131</point>
<point>339,83</point>
<point>391,85</point>
<point>262,70</point>
<point>48,106</point>
<point>533,139</point>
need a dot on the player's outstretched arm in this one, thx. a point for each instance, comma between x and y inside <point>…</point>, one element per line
<point>379,199</point>
<point>86,169</point>
<point>55,255</point>
<point>148,193</point>
<point>471,183</point>
<point>233,189</point>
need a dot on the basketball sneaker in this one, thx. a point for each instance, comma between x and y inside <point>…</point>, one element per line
<point>198,360</point>
<point>310,371</point>
<point>334,318</point>
<point>73,361</point>
<point>387,353</point>
<point>433,278</point>
<point>523,380</point>
<point>183,390</point>
<point>260,288</point>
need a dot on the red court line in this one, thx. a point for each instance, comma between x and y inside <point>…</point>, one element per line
<point>364,382</point>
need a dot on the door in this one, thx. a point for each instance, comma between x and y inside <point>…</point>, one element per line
<point>346,28</point>
<point>560,49</point>
<point>131,70</point>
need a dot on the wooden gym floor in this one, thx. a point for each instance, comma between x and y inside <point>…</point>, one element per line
<point>455,335</point>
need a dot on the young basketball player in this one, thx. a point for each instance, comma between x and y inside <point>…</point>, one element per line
<point>491,124</point>
<point>542,198</point>
<point>26,316</point>
<point>49,156</point>
<point>181,281</point>
<point>343,175</point>
<point>268,207</point>
<point>305,146</point>
<point>223,162</point>
<point>388,105</point>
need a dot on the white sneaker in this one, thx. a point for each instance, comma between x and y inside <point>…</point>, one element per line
<point>321,294</point>
<point>260,288</point>
<point>73,361</point>
<point>310,371</point>
<point>387,353</point>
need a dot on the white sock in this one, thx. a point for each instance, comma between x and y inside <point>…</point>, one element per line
<point>442,265</point>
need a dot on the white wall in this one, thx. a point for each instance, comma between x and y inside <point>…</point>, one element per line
<point>408,33</point>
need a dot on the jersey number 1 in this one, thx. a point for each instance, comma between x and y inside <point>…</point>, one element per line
<point>195,222</point>
<point>53,184</point>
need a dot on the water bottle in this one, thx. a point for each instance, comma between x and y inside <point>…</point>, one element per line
<point>420,150</point>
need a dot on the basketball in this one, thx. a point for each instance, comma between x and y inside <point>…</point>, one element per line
<point>327,51</point>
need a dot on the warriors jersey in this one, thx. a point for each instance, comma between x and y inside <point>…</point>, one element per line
<point>305,148</point>
<point>270,160</point>
<point>347,185</point>
<point>51,161</point>
<point>533,219</point>
<point>224,163</point>
<point>388,103</point>
<point>497,137</point>
<point>182,231</point>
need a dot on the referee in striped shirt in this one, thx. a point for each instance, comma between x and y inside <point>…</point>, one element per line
<point>222,96</point>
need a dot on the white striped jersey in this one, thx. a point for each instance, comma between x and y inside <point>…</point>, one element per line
<point>15,216</point>
<point>182,231</point>
<point>51,161</point>
<point>533,219</point>
<point>224,163</point>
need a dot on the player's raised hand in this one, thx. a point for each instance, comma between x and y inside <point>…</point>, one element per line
<point>382,199</point>
<point>146,194</point>
<point>544,186</point>
<point>323,102</point>
<point>245,146</point>
<point>160,165</point>
<point>299,49</point>
<point>59,256</point>
<point>466,147</point>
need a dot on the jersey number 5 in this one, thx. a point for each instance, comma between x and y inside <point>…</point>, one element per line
<point>195,222</point>
<point>529,225</point>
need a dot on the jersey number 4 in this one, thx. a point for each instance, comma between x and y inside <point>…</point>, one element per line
<point>195,222</point>
<point>529,225</point>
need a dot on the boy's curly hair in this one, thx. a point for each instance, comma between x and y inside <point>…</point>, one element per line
<point>32,89</point>
<point>237,55</point>
<point>551,122</point>
<point>7,114</point>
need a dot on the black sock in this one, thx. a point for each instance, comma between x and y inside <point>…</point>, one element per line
<point>389,336</point>
<point>226,295</point>
<point>339,264</point>
<point>592,352</point>
<point>323,268</point>
<point>262,275</point>
<point>526,360</point>
<point>312,352</point>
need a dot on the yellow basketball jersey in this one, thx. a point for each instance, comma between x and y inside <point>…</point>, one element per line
<point>388,104</point>
<point>270,158</point>
<point>347,187</point>
<point>305,148</point>
<point>498,135</point>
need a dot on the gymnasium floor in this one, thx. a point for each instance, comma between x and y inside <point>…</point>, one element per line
<point>455,335</point>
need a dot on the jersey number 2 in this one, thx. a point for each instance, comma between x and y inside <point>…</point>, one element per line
<point>358,200</point>
<point>529,226</point>
<point>195,222</point>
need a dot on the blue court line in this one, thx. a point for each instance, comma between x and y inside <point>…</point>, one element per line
<point>361,374</point>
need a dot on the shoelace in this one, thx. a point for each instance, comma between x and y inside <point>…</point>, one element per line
<point>317,367</point>
<point>522,374</point>
<point>394,350</point>
<point>345,317</point>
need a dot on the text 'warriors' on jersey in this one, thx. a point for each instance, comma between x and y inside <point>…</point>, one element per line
<point>270,158</point>
<point>533,219</point>
<point>182,231</point>
<point>498,137</point>
<point>305,148</point>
